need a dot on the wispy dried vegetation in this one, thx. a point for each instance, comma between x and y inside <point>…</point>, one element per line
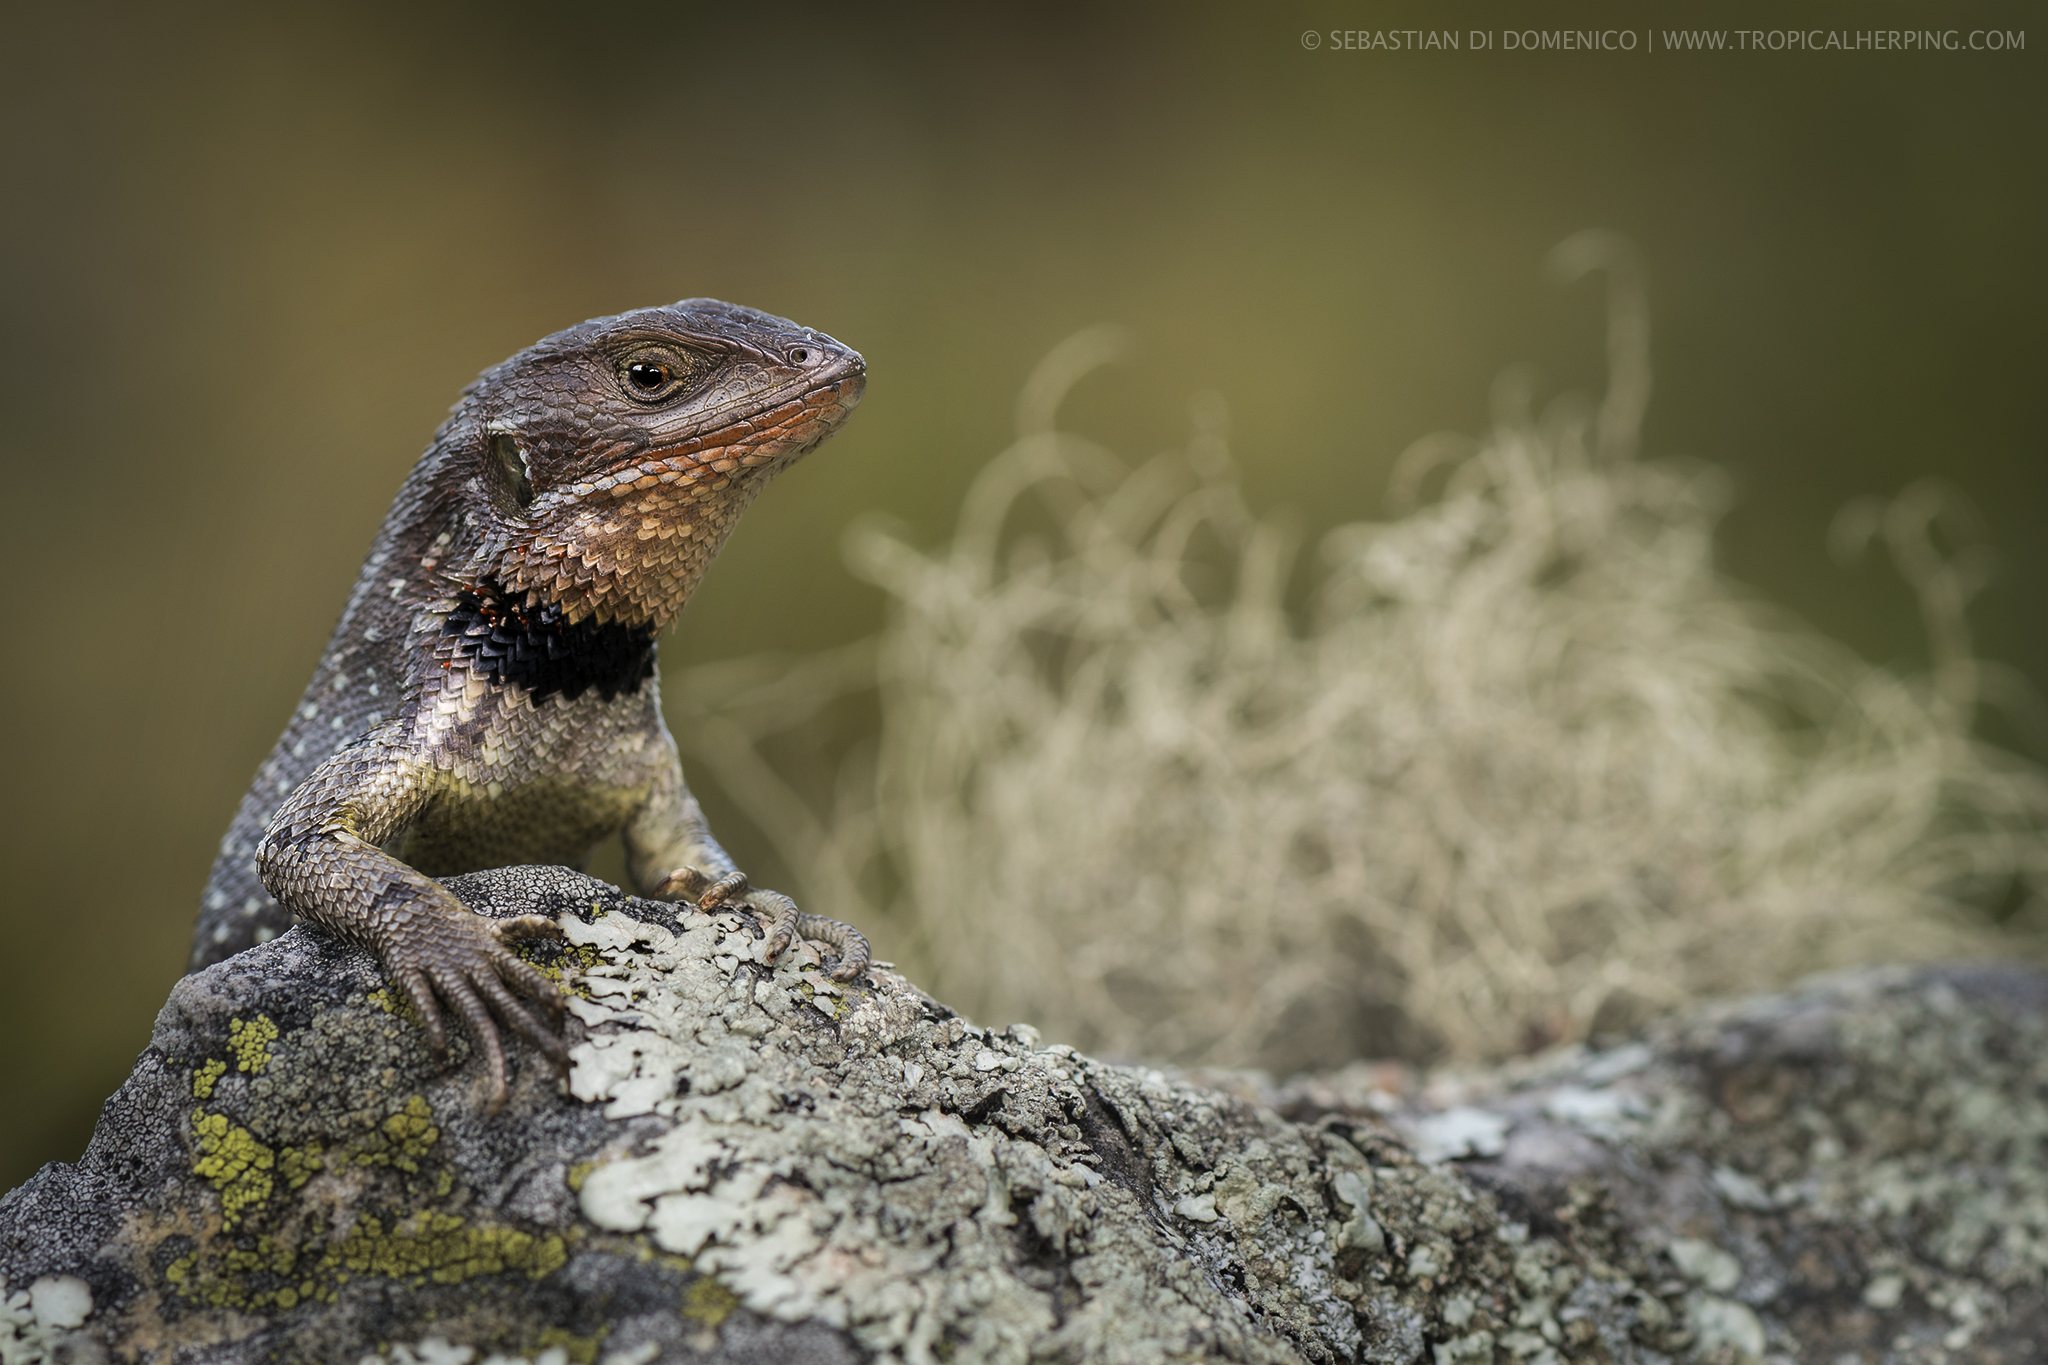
<point>1527,766</point>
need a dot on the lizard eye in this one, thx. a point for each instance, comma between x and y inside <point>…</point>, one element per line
<point>514,474</point>
<point>648,375</point>
<point>651,376</point>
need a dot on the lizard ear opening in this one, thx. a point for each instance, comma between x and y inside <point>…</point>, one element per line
<point>511,476</point>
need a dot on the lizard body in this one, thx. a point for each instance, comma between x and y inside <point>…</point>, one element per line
<point>490,695</point>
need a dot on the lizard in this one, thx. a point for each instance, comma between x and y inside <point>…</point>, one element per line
<point>490,694</point>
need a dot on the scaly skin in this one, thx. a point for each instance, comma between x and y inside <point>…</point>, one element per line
<point>490,695</point>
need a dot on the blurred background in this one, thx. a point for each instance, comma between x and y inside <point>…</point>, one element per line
<point>252,254</point>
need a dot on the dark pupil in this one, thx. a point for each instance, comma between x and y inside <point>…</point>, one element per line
<point>647,375</point>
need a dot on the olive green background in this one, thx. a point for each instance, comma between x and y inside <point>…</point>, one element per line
<point>251,256</point>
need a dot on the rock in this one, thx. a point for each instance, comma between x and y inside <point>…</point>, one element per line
<point>1856,1171</point>
<point>765,1165</point>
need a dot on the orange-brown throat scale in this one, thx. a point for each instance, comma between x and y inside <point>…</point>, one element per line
<point>630,545</point>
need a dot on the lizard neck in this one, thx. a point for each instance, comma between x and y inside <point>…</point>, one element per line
<point>636,560</point>
<point>516,639</point>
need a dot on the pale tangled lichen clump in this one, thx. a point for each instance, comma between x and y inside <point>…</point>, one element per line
<point>1529,757</point>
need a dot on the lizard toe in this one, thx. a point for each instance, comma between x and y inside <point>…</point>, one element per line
<point>417,990</point>
<point>523,928</point>
<point>777,914</point>
<point>854,953</point>
<point>533,983</point>
<point>683,883</point>
<point>461,994</point>
<point>728,888</point>
<point>516,1016</point>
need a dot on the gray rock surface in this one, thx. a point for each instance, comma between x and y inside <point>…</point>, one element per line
<point>758,1164</point>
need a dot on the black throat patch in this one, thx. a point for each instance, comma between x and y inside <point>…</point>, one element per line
<point>507,641</point>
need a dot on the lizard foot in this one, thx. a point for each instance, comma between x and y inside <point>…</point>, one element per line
<point>695,884</point>
<point>461,960</point>
<point>852,944</point>
<point>775,913</point>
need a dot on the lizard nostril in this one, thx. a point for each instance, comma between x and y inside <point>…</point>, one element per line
<point>801,355</point>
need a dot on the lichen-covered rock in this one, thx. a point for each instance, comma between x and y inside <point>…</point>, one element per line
<point>1857,1171</point>
<point>763,1164</point>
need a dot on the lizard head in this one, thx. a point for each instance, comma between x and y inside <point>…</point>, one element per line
<point>601,469</point>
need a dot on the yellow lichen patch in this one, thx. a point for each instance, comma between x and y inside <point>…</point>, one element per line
<point>265,1255</point>
<point>250,1040</point>
<point>295,1165</point>
<point>393,1003</point>
<point>709,1302</point>
<point>403,1139</point>
<point>226,1284</point>
<point>296,1255</point>
<point>206,1077</point>
<point>579,1173</point>
<point>584,955</point>
<point>273,1276</point>
<point>443,1248</point>
<point>233,1162</point>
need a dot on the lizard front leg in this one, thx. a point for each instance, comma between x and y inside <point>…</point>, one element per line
<point>670,855</point>
<point>320,857</point>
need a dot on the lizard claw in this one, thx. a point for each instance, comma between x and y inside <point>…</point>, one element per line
<point>774,912</point>
<point>458,959</point>
<point>681,883</point>
<point>728,888</point>
<point>782,930</point>
<point>785,923</point>
<point>710,892</point>
<point>854,954</point>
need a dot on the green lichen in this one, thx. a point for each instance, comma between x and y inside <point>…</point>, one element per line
<point>233,1162</point>
<point>250,1040</point>
<point>583,956</point>
<point>437,1247</point>
<point>242,1169</point>
<point>294,1258</point>
<point>295,1165</point>
<point>403,1140</point>
<point>709,1302</point>
<point>227,1285</point>
<point>443,1248</point>
<point>394,1003</point>
<point>206,1077</point>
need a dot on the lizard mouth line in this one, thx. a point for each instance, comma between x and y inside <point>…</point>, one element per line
<point>800,416</point>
